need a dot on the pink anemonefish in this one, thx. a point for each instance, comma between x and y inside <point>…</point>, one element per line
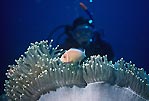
<point>73,55</point>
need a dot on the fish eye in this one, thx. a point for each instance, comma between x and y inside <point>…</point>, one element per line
<point>64,56</point>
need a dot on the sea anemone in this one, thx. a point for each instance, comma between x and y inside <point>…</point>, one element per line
<point>40,72</point>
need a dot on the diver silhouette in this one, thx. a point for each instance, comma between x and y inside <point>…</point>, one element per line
<point>82,35</point>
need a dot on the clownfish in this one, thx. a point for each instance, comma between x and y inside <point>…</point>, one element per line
<point>73,55</point>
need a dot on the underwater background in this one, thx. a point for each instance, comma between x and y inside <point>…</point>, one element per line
<point>125,24</point>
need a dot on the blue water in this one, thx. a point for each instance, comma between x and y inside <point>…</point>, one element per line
<point>125,24</point>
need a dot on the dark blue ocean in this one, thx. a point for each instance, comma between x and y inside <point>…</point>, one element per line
<point>125,24</point>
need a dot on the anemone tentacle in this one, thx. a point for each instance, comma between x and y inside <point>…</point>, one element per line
<point>40,71</point>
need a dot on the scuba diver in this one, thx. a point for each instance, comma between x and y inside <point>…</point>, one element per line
<point>82,35</point>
